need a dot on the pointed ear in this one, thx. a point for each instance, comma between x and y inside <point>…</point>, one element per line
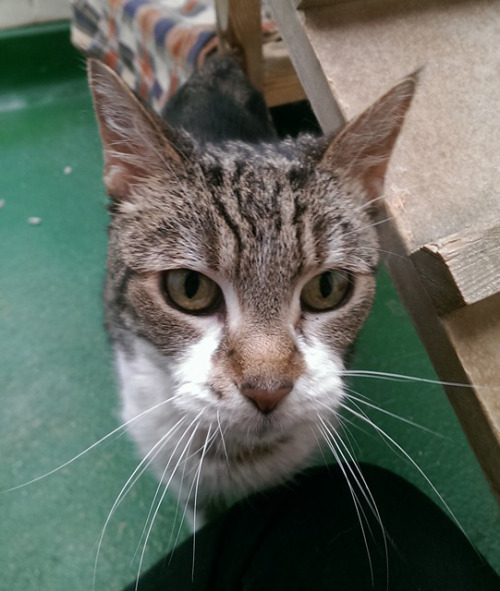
<point>134,139</point>
<point>362,149</point>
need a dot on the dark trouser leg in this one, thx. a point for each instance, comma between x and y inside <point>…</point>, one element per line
<point>307,536</point>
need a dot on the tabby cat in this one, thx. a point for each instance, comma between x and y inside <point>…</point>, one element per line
<point>240,270</point>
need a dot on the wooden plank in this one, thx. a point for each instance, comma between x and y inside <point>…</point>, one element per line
<point>461,269</point>
<point>240,32</point>
<point>267,65</point>
<point>307,65</point>
<point>280,82</point>
<point>474,333</point>
<point>464,347</point>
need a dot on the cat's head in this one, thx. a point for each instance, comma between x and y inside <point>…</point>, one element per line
<point>239,275</point>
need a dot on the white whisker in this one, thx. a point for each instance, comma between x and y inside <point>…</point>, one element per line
<point>374,225</point>
<point>350,395</point>
<point>188,496</point>
<point>365,490</point>
<point>344,431</point>
<point>223,440</point>
<point>172,474</point>
<point>186,431</point>
<point>360,415</point>
<point>177,509</point>
<point>330,441</point>
<point>368,204</point>
<point>136,474</point>
<point>122,427</point>
<point>363,486</point>
<point>395,377</point>
<point>208,439</point>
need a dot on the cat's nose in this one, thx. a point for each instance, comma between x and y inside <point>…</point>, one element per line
<point>266,400</point>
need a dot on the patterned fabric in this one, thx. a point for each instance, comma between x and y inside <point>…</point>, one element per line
<point>153,44</point>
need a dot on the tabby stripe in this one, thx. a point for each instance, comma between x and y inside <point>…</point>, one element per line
<point>121,304</point>
<point>224,214</point>
<point>319,230</point>
<point>122,288</point>
<point>298,224</point>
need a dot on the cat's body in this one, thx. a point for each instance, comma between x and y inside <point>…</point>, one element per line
<point>238,276</point>
<point>219,104</point>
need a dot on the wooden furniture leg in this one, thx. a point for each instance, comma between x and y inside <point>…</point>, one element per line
<point>267,64</point>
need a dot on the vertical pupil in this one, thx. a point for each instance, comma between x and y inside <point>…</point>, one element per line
<point>326,284</point>
<point>192,284</point>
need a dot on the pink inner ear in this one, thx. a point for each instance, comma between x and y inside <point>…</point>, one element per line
<point>134,141</point>
<point>373,180</point>
<point>362,150</point>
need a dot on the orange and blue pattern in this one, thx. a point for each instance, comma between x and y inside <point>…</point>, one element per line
<point>153,44</point>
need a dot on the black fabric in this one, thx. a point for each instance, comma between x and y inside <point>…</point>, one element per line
<point>307,536</point>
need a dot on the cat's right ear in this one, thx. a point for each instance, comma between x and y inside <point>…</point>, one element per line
<point>360,152</point>
<point>135,141</point>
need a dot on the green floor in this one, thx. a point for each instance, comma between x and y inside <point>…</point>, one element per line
<point>57,393</point>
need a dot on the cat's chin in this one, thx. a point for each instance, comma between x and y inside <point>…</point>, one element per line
<point>251,452</point>
<point>231,472</point>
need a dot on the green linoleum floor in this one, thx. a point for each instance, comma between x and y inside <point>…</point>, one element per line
<point>57,387</point>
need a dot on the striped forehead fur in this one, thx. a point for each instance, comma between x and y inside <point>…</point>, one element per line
<point>234,197</point>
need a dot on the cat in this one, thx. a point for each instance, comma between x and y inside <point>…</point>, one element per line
<point>240,271</point>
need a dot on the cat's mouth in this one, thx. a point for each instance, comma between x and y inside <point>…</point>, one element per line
<point>254,452</point>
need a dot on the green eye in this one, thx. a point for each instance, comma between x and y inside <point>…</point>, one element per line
<point>326,291</point>
<point>191,291</point>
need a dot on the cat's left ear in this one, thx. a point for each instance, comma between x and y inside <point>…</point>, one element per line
<point>135,140</point>
<point>361,151</point>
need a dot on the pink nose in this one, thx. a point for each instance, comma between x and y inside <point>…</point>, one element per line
<point>266,400</point>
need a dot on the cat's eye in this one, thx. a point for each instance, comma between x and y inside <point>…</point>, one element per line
<point>326,291</point>
<point>191,291</point>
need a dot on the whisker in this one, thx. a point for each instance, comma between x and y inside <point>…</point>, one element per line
<point>369,204</point>
<point>202,449</point>
<point>326,461</point>
<point>362,400</point>
<point>363,486</point>
<point>395,377</point>
<point>207,440</point>
<point>385,251</point>
<point>222,439</point>
<point>183,517</point>
<point>122,427</point>
<point>344,430</point>
<point>136,474</point>
<point>163,475</point>
<point>177,510</point>
<point>365,490</point>
<point>181,458</point>
<point>374,225</point>
<point>360,415</point>
<point>357,505</point>
<point>343,418</point>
